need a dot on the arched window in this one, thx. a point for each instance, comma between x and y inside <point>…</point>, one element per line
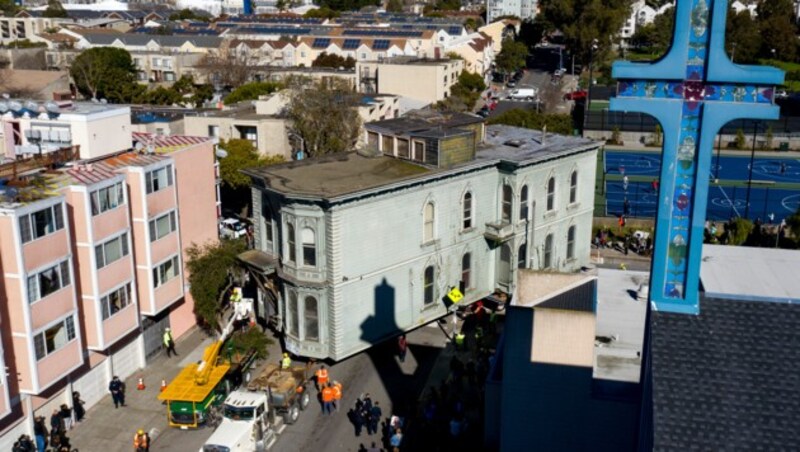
<point>548,251</point>
<point>571,243</point>
<point>504,267</point>
<point>427,285</point>
<point>467,210</point>
<point>309,247</point>
<point>522,257</point>
<point>573,187</point>
<point>311,319</point>
<point>290,242</point>
<point>466,270</point>
<point>293,322</point>
<point>523,203</point>
<point>551,194</point>
<point>428,219</point>
<point>507,204</point>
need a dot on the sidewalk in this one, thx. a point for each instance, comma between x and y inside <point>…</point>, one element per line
<point>106,428</point>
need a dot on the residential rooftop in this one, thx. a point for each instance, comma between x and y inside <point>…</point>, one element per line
<point>347,174</point>
<point>413,60</point>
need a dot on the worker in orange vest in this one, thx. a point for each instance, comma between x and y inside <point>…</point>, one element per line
<point>322,377</point>
<point>328,394</point>
<point>141,442</point>
<point>337,394</point>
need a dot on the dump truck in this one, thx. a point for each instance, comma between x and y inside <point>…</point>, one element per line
<point>200,386</point>
<point>287,389</point>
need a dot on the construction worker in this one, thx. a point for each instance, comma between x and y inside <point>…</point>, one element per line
<point>141,442</point>
<point>286,362</point>
<point>169,343</point>
<point>328,394</point>
<point>460,340</point>
<point>337,394</point>
<point>322,377</point>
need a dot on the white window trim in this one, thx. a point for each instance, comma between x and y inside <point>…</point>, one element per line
<point>30,223</point>
<point>152,225</point>
<point>103,244</point>
<point>157,281</point>
<point>44,267</point>
<point>108,293</point>
<point>148,181</point>
<point>43,329</point>
<point>124,201</point>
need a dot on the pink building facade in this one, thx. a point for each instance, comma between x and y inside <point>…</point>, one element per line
<point>92,257</point>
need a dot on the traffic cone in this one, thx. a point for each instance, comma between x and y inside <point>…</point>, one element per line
<point>163,385</point>
<point>140,384</point>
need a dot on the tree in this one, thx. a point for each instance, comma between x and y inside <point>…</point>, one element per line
<point>321,13</point>
<point>531,32</point>
<point>325,116</point>
<point>228,67</point>
<point>54,9</point>
<point>210,274</point>
<point>582,21</point>
<point>742,37</point>
<point>333,61</point>
<point>657,36</point>
<point>778,30</point>
<point>512,56</point>
<point>252,91</point>
<point>793,224</point>
<point>394,6</point>
<point>189,14</point>
<point>8,8</point>
<point>347,5</point>
<point>464,93</point>
<point>530,119</point>
<point>105,72</point>
<point>740,229</point>
<point>235,190</point>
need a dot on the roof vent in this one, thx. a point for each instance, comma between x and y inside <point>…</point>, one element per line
<point>514,143</point>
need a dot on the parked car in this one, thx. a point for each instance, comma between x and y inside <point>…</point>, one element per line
<point>511,84</point>
<point>576,95</point>
<point>231,228</point>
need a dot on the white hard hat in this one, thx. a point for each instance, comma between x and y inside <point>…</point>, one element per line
<point>167,329</point>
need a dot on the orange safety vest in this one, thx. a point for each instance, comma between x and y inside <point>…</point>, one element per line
<point>322,376</point>
<point>337,391</point>
<point>140,441</point>
<point>327,395</point>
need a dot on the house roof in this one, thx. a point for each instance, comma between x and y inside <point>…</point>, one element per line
<point>728,378</point>
<point>164,144</point>
<point>525,146</point>
<point>128,39</point>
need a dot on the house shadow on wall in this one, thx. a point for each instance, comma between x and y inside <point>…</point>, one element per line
<point>404,388</point>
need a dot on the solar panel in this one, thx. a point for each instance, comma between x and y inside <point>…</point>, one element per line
<point>350,44</point>
<point>380,44</point>
<point>454,30</point>
<point>321,43</point>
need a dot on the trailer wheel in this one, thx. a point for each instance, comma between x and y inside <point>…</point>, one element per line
<point>292,414</point>
<point>305,399</point>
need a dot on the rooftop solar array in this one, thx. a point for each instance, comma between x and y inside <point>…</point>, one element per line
<point>381,44</point>
<point>321,43</point>
<point>393,33</point>
<point>275,30</point>
<point>350,44</point>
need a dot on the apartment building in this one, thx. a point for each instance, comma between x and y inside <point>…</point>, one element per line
<point>92,261</point>
<point>432,78</point>
<point>477,51</point>
<point>524,9</point>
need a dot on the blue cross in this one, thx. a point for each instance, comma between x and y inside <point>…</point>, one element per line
<point>692,91</point>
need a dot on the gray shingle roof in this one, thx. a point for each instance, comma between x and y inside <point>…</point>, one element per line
<point>104,39</point>
<point>727,379</point>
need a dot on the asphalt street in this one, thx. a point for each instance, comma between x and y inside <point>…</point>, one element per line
<point>533,79</point>
<point>396,386</point>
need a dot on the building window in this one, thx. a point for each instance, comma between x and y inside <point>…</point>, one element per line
<point>573,187</point>
<point>107,198</point>
<point>548,251</point>
<point>523,203</point>
<point>166,271</point>
<point>309,247</point>
<point>48,281</point>
<point>116,300</point>
<point>213,131</point>
<point>311,319</point>
<point>294,321</point>
<point>54,338</point>
<point>427,285</point>
<point>466,270</point>
<point>388,144</point>
<point>162,226</point>
<point>419,150</point>
<point>551,193</point>
<point>571,243</point>
<point>249,133</point>
<point>504,269</point>
<point>169,76</point>
<point>428,222</point>
<point>521,256</point>
<point>158,179</point>
<point>467,210</point>
<point>290,243</point>
<point>268,232</point>
<point>41,223</point>
<point>111,251</point>
<point>402,148</point>
<point>507,204</point>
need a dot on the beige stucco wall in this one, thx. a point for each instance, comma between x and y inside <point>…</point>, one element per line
<point>432,81</point>
<point>102,135</point>
<point>272,136</point>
